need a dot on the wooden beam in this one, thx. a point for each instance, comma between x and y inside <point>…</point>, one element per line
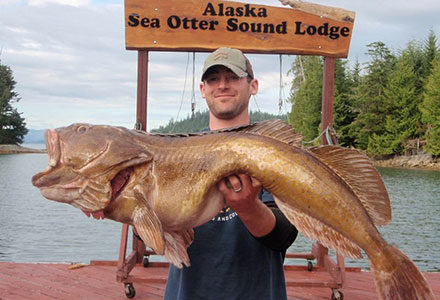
<point>327,95</point>
<point>334,13</point>
<point>142,91</point>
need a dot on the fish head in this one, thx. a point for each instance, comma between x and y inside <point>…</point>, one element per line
<point>84,161</point>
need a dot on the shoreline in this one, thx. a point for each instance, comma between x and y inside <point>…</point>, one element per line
<point>418,161</point>
<point>17,149</point>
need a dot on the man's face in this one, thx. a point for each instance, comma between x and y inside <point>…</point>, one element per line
<point>226,94</point>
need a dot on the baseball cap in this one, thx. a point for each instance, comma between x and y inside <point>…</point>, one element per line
<point>233,59</point>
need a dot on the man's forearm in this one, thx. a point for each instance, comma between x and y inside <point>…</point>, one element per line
<point>260,221</point>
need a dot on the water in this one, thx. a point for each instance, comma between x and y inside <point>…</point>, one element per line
<point>34,229</point>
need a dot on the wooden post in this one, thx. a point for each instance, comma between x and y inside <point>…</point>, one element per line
<point>142,91</point>
<point>141,124</point>
<point>326,120</point>
<point>336,270</point>
<point>327,95</point>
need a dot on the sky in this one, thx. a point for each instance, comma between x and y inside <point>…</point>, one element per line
<point>69,60</point>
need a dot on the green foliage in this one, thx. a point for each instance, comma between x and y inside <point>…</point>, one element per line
<point>12,125</point>
<point>380,107</point>
<point>343,110</point>
<point>400,111</point>
<point>368,95</point>
<point>305,96</point>
<point>200,121</point>
<point>431,53</point>
<point>195,123</point>
<point>431,110</point>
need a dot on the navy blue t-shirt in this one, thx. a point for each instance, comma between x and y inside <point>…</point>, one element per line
<point>227,262</point>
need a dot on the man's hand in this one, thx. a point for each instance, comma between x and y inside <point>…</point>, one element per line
<point>241,194</point>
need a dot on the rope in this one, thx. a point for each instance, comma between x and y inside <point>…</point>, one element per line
<point>183,94</point>
<point>280,99</point>
<point>330,136</point>
<point>256,103</point>
<point>193,94</point>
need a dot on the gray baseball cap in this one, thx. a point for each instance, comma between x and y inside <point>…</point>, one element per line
<point>233,59</point>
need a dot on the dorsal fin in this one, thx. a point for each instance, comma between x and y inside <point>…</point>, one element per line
<point>358,171</point>
<point>274,128</point>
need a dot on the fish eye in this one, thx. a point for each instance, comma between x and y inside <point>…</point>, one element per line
<point>81,129</point>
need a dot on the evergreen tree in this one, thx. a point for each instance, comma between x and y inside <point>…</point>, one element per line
<point>415,55</point>
<point>12,125</point>
<point>343,111</point>
<point>368,95</point>
<point>431,52</point>
<point>431,110</point>
<point>400,108</point>
<point>305,96</point>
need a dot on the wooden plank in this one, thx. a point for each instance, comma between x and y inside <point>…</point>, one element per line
<point>205,25</point>
<point>56,281</point>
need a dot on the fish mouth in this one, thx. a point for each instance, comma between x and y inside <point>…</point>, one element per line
<point>54,153</point>
<point>53,147</point>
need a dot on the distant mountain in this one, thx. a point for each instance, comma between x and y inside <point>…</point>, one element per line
<point>34,136</point>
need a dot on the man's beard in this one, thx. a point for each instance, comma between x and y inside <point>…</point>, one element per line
<point>229,113</point>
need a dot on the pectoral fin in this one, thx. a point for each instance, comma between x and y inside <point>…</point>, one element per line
<point>149,228</point>
<point>176,245</point>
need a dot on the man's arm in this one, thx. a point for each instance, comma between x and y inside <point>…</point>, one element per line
<point>264,221</point>
<point>283,234</point>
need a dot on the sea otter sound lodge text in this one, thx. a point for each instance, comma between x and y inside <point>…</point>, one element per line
<point>234,22</point>
<point>205,25</point>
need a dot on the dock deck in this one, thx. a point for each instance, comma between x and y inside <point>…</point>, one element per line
<point>98,281</point>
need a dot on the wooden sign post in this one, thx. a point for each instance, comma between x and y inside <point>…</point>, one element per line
<point>205,25</point>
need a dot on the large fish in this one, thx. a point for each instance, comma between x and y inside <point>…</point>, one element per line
<point>165,185</point>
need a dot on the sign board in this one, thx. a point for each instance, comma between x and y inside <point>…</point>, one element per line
<point>205,25</point>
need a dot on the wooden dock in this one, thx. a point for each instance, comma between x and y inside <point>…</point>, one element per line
<point>98,281</point>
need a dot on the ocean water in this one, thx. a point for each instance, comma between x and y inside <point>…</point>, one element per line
<point>34,229</point>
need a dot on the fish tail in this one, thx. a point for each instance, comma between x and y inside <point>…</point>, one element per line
<point>398,278</point>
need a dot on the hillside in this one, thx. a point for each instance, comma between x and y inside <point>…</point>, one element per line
<point>200,121</point>
<point>34,136</point>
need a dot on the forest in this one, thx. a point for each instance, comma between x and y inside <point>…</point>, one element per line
<point>387,106</point>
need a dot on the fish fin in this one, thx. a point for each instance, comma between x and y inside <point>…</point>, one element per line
<point>276,129</point>
<point>149,228</point>
<point>397,277</point>
<point>176,244</point>
<point>316,230</point>
<point>358,171</point>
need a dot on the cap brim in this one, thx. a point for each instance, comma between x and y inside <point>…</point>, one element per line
<point>237,71</point>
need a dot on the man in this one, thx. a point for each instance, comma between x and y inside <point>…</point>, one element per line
<point>238,254</point>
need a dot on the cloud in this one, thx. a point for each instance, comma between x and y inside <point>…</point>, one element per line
<point>76,3</point>
<point>70,63</point>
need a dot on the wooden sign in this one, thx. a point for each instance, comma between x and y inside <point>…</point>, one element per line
<point>205,25</point>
